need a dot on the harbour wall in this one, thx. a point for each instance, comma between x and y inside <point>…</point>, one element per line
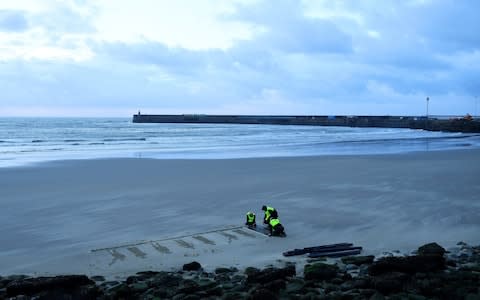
<point>467,125</point>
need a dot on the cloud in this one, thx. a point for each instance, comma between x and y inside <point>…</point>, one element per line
<point>13,20</point>
<point>177,60</point>
<point>285,28</point>
<point>311,57</point>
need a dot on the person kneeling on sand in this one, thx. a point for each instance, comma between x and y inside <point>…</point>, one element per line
<point>276,229</point>
<point>250,219</point>
<point>269,211</point>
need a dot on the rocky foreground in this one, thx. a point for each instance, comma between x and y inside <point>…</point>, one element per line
<point>430,273</point>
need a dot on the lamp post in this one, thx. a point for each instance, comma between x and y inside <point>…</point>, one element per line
<point>426,120</point>
<point>428,99</point>
<point>476,104</point>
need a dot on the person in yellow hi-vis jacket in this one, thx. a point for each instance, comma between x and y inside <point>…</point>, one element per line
<point>269,213</point>
<point>276,228</point>
<point>250,219</point>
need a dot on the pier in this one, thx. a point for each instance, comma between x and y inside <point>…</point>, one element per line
<point>454,124</point>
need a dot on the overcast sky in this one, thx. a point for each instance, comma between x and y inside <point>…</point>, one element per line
<point>115,57</point>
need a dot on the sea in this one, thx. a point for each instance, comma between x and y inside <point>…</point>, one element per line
<point>26,141</point>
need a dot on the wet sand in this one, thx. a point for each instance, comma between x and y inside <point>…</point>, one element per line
<point>160,214</point>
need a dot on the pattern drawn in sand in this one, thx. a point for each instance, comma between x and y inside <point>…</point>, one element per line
<point>185,245</point>
<point>137,252</point>
<point>160,248</point>
<point>115,256</point>
<point>203,240</point>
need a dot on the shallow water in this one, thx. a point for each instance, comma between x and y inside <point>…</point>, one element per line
<point>32,140</point>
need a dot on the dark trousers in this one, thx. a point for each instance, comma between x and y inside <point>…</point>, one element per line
<point>277,230</point>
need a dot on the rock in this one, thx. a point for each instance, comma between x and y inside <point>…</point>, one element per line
<point>331,287</point>
<point>353,295</point>
<point>451,263</point>
<point>346,276</point>
<point>358,260</point>
<point>350,268</point>
<point>181,297</point>
<point>227,286</point>
<point>193,266</point>
<point>223,270</point>
<point>362,283</point>
<point>317,259</point>
<point>271,274</point>
<point>139,287</point>
<point>320,271</point>
<point>4,281</point>
<point>408,264</point>
<point>367,292</point>
<point>16,277</point>
<point>262,294</point>
<point>337,295</point>
<point>164,279</point>
<point>251,270</point>
<point>222,278</point>
<point>242,288</point>
<point>337,280</point>
<point>237,278</point>
<point>188,286</point>
<point>472,297</point>
<point>275,286</point>
<point>30,286</point>
<point>192,297</point>
<point>431,249</point>
<point>312,295</point>
<point>164,292</point>
<point>377,296</point>
<point>147,275</point>
<point>347,285</point>
<point>475,267</point>
<point>132,279</point>
<point>294,286</point>
<point>98,278</point>
<point>391,282</point>
<point>408,296</point>
<point>214,291</point>
<point>205,284</point>
<point>234,296</point>
<point>121,291</point>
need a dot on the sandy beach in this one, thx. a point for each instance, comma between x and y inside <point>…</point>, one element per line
<point>54,214</point>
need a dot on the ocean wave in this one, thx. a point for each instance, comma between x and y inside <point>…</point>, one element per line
<point>404,139</point>
<point>124,139</point>
<point>38,141</point>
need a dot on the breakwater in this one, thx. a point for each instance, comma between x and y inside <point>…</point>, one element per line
<point>467,125</point>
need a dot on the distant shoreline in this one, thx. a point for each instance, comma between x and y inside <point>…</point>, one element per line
<point>466,124</point>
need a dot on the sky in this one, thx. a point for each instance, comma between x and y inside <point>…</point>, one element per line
<point>112,58</point>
